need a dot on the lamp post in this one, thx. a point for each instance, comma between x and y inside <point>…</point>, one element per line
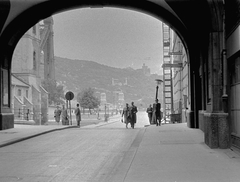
<point>159,81</point>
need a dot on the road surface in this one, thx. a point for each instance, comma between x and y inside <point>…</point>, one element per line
<point>73,155</point>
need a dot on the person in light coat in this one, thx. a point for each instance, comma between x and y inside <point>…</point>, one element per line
<point>126,115</point>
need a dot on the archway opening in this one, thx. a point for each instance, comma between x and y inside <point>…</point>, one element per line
<point>130,57</point>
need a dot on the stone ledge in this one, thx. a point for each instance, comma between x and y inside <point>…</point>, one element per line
<point>235,140</point>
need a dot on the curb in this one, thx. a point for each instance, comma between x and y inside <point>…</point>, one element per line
<point>10,142</point>
<point>32,136</point>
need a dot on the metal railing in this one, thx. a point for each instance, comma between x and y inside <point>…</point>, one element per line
<point>23,114</point>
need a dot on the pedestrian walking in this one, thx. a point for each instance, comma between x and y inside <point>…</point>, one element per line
<point>65,117</point>
<point>78,115</point>
<point>133,110</point>
<point>156,118</point>
<point>126,115</point>
<point>57,114</point>
<point>150,113</point>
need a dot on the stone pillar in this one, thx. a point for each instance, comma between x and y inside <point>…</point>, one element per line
<point>223,131</point>
<point>211,130</point>
<point>6,115</point>
<point>190,118</point>
<point>216,129</point>
<point>216,124</point>
<point>201,120</point>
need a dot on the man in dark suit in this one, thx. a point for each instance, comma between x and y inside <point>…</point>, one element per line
<point>133,110</point>
<point>156,118</point>
<point>78,115</point>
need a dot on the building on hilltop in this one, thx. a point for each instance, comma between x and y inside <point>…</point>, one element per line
<point>145,70</point>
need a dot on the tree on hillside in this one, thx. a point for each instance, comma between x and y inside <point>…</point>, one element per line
<point>55,92</point>
<point>87,99</point>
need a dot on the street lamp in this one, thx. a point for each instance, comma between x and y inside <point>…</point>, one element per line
<point>159,81</point>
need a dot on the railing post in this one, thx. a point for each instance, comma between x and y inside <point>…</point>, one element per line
<point>27,114</point>
<point>19,113</point>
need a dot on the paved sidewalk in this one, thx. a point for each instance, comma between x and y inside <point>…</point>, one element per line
<point>22,132</point>
<point>168,153</point>
<point>176,153</point>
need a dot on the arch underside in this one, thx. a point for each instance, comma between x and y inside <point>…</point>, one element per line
<point>193,21</point>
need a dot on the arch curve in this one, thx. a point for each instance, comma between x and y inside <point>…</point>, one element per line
<point>193,21</point>
<point>13,32</point>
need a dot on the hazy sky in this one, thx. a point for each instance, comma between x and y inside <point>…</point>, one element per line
<point>110,36</point>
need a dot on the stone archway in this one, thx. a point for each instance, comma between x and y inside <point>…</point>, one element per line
<point>178,14</point>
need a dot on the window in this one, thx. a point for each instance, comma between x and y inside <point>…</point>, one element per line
<point>167,83</point>
<point>167,76</point>
<point>167,88</point>
<point>27,93</point>
<point>19,92</point>
<point>168,94</point>
<point>168,100</point>
<point>34,61</point>
<point>167,71</point>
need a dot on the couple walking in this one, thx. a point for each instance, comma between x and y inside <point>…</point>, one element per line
<point>61,113</point>
<point>130,115</point>
<point>154,113</point>
<point>65,117</point>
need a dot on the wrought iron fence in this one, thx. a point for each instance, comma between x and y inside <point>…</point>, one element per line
<point>23,114</point>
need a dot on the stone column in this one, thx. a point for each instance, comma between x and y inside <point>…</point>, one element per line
<point>6,115</point>
<point>216,125</point>
<point>201,120</point>
<point>216,128</point>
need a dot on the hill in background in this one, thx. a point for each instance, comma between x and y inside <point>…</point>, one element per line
<point>77,75</point>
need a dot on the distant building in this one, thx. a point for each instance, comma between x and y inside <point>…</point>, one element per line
<point>118,82</point>
<point>118,99</point>
<point>21,101</point>
<point>146,70</point>
<point>103,98</point>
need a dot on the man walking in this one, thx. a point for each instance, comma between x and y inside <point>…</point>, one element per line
<point>78,115</point>
<point>156,118</point>
<point>134,111</point>
<point>150,113</point>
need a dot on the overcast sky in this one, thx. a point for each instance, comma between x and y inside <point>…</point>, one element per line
<point>111,36</point>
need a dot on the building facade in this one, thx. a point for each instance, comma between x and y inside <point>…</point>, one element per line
<point>233,68</point>
<point>180,78</point>
<point>33,61</point>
